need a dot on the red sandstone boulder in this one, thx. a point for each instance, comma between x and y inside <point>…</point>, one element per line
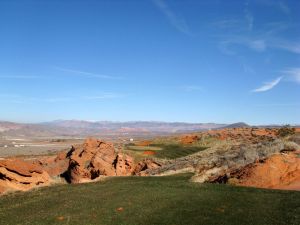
<point>54,165</point>
<point>96,158</point>
<point>144,165</point>
<point>16,174</point>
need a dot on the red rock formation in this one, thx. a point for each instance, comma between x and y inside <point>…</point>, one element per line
<point>95,158</point>
<point>145,165</point>
<point>280,171</point>
<point>16,174</point>
<point>83,163</point>
<point>251,135</point>
<point>54,165</point>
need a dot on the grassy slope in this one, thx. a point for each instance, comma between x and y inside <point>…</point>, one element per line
<point>176,151</point>
<point>151,200</point>
<point>165,151</point>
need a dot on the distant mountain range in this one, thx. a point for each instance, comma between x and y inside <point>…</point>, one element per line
<point>237,125</point>
<point>82,128</point>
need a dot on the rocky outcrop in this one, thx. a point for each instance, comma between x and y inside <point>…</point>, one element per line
<point>96,158</point>
<point>83,163</point>
<point>249,135</point>
<point>55,165</point>
<point>16,174</point>
<point>280,171</point>
<point>221,162</point>
<point>146,164</point>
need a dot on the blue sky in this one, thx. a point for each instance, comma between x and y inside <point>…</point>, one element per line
<point>165,60</point>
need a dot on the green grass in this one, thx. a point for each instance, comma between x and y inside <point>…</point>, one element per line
<point>151,200</point>
<point>164,151</point>
<point>173,151</point>
<point>143,148</point>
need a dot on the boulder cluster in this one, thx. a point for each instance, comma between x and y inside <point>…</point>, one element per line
<point>82,163</point>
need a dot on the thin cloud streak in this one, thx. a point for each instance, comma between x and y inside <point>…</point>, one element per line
<point>293,74</point>
<point>248,17</point>
<point>86,74</point>
<point>227,23</point>
<point>21,99</point>
<point>175,20</point>
<point>268,85</point>
<point>267,36</point>
<point>259,44</point>
<point>19,77</point>
<point>286,45</point>
<point>279,5</point>
<point>104,96</point>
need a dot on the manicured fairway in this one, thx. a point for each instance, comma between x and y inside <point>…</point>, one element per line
<point>151,200</point>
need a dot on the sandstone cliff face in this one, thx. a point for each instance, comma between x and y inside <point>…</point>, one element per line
<point>16,174</point>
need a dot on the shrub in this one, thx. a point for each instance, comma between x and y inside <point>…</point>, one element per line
<point>286,130</point>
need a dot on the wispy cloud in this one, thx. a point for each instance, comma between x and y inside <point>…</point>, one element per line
<point>292,74</point>
<point>86,74</point>
<point>279,5</point>
<point>248,16</point>
<point>175,20</point>
<point>104,96</point>
<point>13,98</point>
<point>259,43</point>
<point>285,45</point>
<point>19,77</point>
<point>239,32</point>
<point>226,23</point>
<point>284,7</point>
<point>227,45</point>
<point>268,85</point>
<point>248,69</point>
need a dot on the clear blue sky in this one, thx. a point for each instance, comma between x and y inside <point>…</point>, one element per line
<point>166,60</point>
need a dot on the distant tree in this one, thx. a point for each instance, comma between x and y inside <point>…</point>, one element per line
<point>286,131</point>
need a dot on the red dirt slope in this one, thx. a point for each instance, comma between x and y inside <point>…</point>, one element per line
<point>280,171</point>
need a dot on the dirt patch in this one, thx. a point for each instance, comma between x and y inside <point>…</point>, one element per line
<point>149,152</point>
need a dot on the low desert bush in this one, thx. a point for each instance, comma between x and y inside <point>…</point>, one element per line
<point>286,130</point>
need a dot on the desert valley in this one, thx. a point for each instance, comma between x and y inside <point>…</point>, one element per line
<point>149,112</point>
<point>235,156</point>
